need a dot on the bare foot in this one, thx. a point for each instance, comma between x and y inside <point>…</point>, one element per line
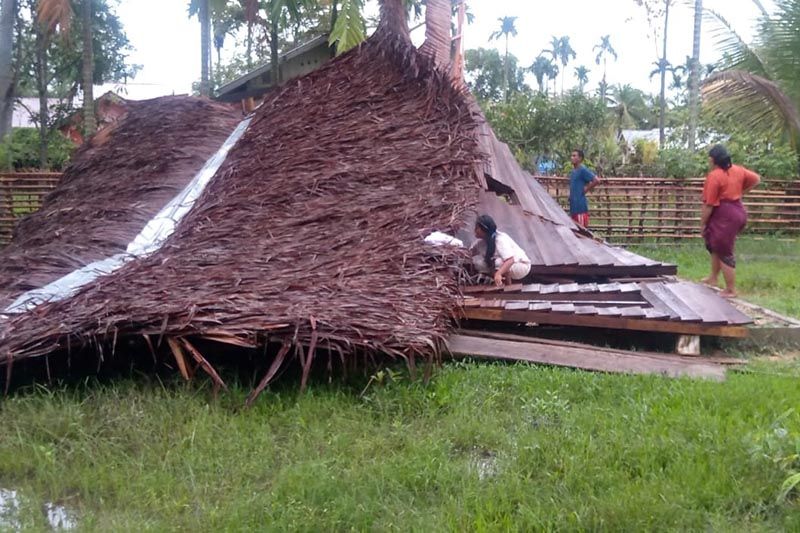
<point>709,281</point>
<point>728,294</point>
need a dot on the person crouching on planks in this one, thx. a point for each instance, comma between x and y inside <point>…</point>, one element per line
<point>498,253</point>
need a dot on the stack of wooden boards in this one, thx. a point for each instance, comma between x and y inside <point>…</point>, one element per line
<point>665,306</point>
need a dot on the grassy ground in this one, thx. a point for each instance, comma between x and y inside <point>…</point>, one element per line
<point>483,447</point>
<point>768,270</point>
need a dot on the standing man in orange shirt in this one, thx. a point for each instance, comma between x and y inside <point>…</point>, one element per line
<point>723,216</point>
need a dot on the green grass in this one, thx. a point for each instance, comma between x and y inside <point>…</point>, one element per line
<point>482,447</point>
<point>767,270</point>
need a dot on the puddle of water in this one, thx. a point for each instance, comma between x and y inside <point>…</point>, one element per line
<point>59,518</point>
<point>9,510</point>
<point>485,464</point>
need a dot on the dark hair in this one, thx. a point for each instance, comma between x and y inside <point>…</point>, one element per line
<point>579,152</point>
<point>721,157</point>
<point>487,224</point>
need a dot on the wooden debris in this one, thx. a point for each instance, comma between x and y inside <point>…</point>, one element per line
<point>586,358</point>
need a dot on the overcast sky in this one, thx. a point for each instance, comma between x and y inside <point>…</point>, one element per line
<point>167,43</point>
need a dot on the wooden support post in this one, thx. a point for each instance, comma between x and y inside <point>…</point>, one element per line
<point>688,345</point>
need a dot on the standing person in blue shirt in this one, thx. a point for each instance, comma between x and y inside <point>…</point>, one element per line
<point>581,181</point>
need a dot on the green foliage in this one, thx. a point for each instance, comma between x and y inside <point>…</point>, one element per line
<point>350,28</point>
<point>111,50</point>
<point>645,152</point>
<point>535,126</point>
<point>773,160</point>
<point>20,150</point>
<point>485,74</point>
<point>759,83</point>
<point>482,447</point>
<point>681,163</point>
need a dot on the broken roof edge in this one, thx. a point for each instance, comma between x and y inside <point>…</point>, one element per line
<point>266,67</point>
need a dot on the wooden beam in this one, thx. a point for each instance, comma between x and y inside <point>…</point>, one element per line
<point>605,271</point>
<point>592,321</point>
<point>721,360</point>
<point>586,358</point>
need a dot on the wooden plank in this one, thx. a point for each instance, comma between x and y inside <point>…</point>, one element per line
<point>533,287</point>
<point>549,289</point>
<point>675,304</point>
<point>632,312</point>
<point>586,358</point>
<point>657,269</point>
<point>568,287</point>
<point>655,314</point>
<point>724,359</point>
<point>705,305</point>
<point>607,322</point>
<point>724,306</point>
<point>656,303</point>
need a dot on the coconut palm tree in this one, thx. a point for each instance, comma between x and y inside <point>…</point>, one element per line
<point>507,29</point>
<point>758,84</point>
<point>552,74</point>
<point>582,74</point>
<point>663,102</point>
<point>56,16</point>
<point>694,74</point>
<point>604,49</point>
<point>561,50</point>
<point>8,12</point>
<point>565,53</point>
<point>541,68</point>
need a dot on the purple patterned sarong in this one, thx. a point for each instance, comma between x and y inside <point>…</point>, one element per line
<point>726,222</point>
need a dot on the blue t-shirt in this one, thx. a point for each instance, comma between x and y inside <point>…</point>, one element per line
<point>578,179</point>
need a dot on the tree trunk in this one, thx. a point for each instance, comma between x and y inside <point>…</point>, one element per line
<point>438,32</point>
<point>605,83</point>
<point>205,48</point>
<point>394,18</point>
<point>41,87</point>
<point>89,119</point>
<point>249,46</point>
<point>8,10</point>
<point>274,52</point>
<point>694,75</point>
<point>505,73</point>
<point>663,111</point>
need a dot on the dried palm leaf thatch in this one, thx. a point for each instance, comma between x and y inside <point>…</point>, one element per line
<point>311,232</point>
<point>115,184</point>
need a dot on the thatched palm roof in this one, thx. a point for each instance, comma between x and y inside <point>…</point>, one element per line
<point>311,232</point>
<point>115,184</point>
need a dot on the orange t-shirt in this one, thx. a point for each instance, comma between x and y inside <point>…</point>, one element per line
<point>727,184</point>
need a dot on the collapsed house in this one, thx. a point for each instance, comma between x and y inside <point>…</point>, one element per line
<point>305,232</point>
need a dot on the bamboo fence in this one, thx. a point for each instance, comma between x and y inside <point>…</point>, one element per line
<point>668,210</point>
<point>22,194</point>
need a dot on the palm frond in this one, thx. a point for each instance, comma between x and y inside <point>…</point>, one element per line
<point>55,15</point>
<point>350,29</point>
<point>753,101</point>
<point>736,53</point>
